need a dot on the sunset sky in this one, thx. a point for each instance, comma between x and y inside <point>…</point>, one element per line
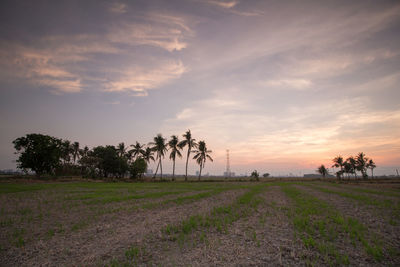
<point>284,85</point>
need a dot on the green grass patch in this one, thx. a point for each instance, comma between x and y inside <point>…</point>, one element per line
<point>319,225</point>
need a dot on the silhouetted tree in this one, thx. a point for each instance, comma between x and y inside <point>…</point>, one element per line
<point>353,165</point>
<point>38,152</point>
<point>190,143</point>
<point>201,155</point>
<point>361,164</point>
<point>173,145</point>
<point>137,150</point>
<point>371,165</point>
<point>160,148</point>
<point>138,168</point>
<point>322,170</point>
<point>266,175</point>
<point>338,163</point>
<point>75,151</point>
<point>255,175</point>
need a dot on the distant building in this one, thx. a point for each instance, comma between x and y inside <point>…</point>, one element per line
<point>229,174</point>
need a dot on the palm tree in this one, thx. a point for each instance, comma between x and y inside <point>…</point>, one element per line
<point>371,165</point>
<point>75,151</point>
<point>322,170</point>
<point>362,162</point>
<point>148,155</point>
<point>121,149</point>
<point>353,164</point>
<point>201,155</point>
<point>160,147</point>
<point>190,143</point>
<point>338,163</point>
<point>347,169</point>
<point>137,150</point>
<point>173,144</point>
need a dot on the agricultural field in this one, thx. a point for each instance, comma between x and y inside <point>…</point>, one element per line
<point>207,223</point>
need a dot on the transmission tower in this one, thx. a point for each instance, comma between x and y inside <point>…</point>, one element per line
<point>228,168</point>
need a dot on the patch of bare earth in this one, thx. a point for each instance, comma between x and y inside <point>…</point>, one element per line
<point>368,216</point>
<point>42,214</point>
<point>263,238</point>
<point>107,237</point>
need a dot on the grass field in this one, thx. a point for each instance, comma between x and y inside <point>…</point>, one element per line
<point>130,224</point>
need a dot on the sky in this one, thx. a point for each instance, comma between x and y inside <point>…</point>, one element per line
<point>284,85</point>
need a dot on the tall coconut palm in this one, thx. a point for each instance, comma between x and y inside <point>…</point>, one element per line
<point>201,155</point>
<point>160,147</point>
<point>371,165</point>
<point>322,170</point>
<point>173,144</point>
<point>338,163</point>
<point>190,143</point>
<point>353,164</point>
<point>362,162</point>
<point>137,150</point>
<point>75,151</point>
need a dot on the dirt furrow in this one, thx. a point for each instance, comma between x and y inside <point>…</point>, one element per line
<point>263,238</point>
<point>365,214</point>
<point>106,238</point>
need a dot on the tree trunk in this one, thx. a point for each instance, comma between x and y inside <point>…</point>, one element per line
<point>200,172</point>
<point>173,172</point>
<point>187,160</point>
<point>156,171</point>
<point>372,173</point>
<point>160,168</point>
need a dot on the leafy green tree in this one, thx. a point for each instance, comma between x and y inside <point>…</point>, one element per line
<point>173,145</point>
<point>109,162</point>
<point>371,165</point>
<point>190,143</point>
<point>160,147</point>
<point>362,163</point>
<point>39,153</point>
<point>201,155</point>
<point>266,175</point>
<point>322,170</point>
<point>338,163</point>
<point>138,168</point>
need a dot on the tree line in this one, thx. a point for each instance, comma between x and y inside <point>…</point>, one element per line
<point>47,155</point>
<point>350,166</point>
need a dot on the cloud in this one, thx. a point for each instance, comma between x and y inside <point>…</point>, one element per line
<point>139,80</point>
<point>118,8</point>
<point>69,63</point>
<point>297,84</point>
<point>223,4</point>
<point>164,31</point>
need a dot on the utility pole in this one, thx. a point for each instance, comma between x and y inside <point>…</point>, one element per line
<point>228,167</point>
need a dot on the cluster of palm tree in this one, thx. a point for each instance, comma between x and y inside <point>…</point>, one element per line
<point>153,151</point>
<point>160,146</point>
<point>350,166</point>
